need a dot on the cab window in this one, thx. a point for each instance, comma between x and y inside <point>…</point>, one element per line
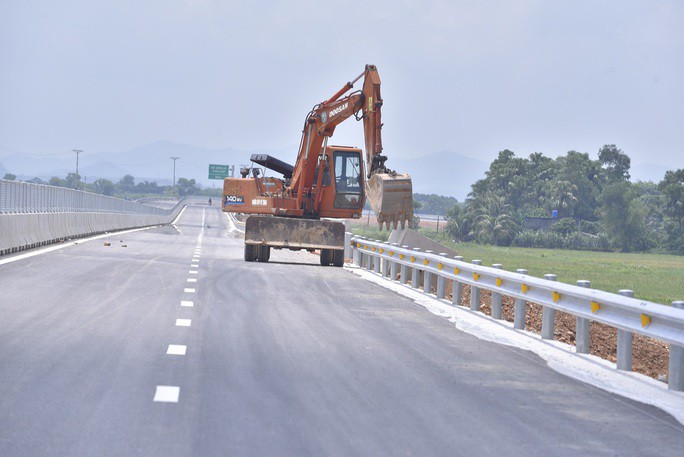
<point>348,180</point>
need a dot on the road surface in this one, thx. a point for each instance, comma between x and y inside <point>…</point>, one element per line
<point>166,343</point>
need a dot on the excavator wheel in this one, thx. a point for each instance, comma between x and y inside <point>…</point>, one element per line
<point>250,252</point>
<point>338,257</point>
<point>264,253</point>
<point>326,257</point>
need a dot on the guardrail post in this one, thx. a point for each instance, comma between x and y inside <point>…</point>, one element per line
<point>675,377</point>
<point>376,260</point>
<point>624,341</point>
<point>427,278</point>
<point>347,245</point>
<point>385,262</point>
<point>393,263</point>
<point>520,307</point>
<point>366,259</point>
<point>548,315</point>
<point>441,281</point>
<point>497,299</point>
<point>582,327</point>
<point>457,287</point>
<point>404,270</point>
<point>475,292</point>
<point>356,255</point>
<point>415,274</point>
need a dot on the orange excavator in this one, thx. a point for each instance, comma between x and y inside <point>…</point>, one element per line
<point>326,181</point>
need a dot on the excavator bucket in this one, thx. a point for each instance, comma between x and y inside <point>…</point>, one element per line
<point>391,197</point>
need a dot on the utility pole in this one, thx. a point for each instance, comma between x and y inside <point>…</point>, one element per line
<point>174,172</point>
<point>77,151</point>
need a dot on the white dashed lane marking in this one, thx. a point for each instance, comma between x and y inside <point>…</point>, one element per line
<point>192,272</point>
<point>167,394</point>
<point>183,322</point>
<point>176,349</point>
<point>188,290</point>
<point>187,303</point>
<point>192,279</point>
<point>194,265</point>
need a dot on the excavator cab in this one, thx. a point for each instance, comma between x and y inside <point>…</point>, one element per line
<point>349,192</point>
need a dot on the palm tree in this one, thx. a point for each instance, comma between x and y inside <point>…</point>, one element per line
<point>493,221</point>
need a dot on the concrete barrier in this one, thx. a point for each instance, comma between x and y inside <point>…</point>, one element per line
<point>20,231</point>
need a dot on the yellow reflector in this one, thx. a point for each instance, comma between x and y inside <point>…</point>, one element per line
<point>499,281</point>
<point>556,296</point>
<point>381,250</point>
<point>595,307</point>
<point>365,247</point>
<point>391,253</point>
<point>525,288</point>
<point>456,271</point>
<point>426,261</point>
<point>645,320</point>
<point>373,248</point>
<point>413,259</point>
<point>440,266</point>
<point>476,276</point>
<point>401,256</point>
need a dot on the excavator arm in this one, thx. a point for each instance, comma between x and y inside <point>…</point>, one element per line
<point>390,194</point>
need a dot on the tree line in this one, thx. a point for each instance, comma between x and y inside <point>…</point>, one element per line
<point>126,187</point>
<point>597,206</point>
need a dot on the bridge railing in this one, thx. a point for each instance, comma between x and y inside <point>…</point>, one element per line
<point>621,311</point>
<point>33,215</point>
<point>24,197</point>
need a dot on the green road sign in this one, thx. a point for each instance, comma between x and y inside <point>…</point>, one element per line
<point>218,171</point>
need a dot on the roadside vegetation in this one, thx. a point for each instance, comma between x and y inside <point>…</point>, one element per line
<point>578,203</point>
<point>653,277</point>
<point>572,216</point>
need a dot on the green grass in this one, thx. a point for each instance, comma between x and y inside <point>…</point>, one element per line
<point>653,277</point>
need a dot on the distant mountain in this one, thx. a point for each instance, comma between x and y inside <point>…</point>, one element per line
<point>443,173</point>
<point>151,162</point>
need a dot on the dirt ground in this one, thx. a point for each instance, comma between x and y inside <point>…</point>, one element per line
<point>649,356</point>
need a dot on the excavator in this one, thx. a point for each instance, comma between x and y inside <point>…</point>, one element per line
<point>326,182</point>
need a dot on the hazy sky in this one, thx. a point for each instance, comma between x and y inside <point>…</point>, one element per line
<point>473,77</point>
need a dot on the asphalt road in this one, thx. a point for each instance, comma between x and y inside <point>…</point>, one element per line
<point>284,358</point>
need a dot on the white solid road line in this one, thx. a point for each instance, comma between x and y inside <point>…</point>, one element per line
<point>176,349</point>
<point>183,322</point>
<point>189,290</point>
<point>168,394</point>
<point>187,303</point>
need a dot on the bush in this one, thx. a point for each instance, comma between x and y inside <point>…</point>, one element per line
<point>564,227</point>
<point>550,240</point>
<point>592,228</point>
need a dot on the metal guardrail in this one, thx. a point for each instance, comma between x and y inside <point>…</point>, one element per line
<point>33,215</point>
<point>622,311</point>
<point>24,197</point>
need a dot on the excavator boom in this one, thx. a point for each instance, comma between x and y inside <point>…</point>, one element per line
<point>390,194</point>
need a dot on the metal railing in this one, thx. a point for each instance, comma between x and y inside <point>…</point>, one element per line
<point>622,311</point>
<point>33,215</point>
<point>24,197</point>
